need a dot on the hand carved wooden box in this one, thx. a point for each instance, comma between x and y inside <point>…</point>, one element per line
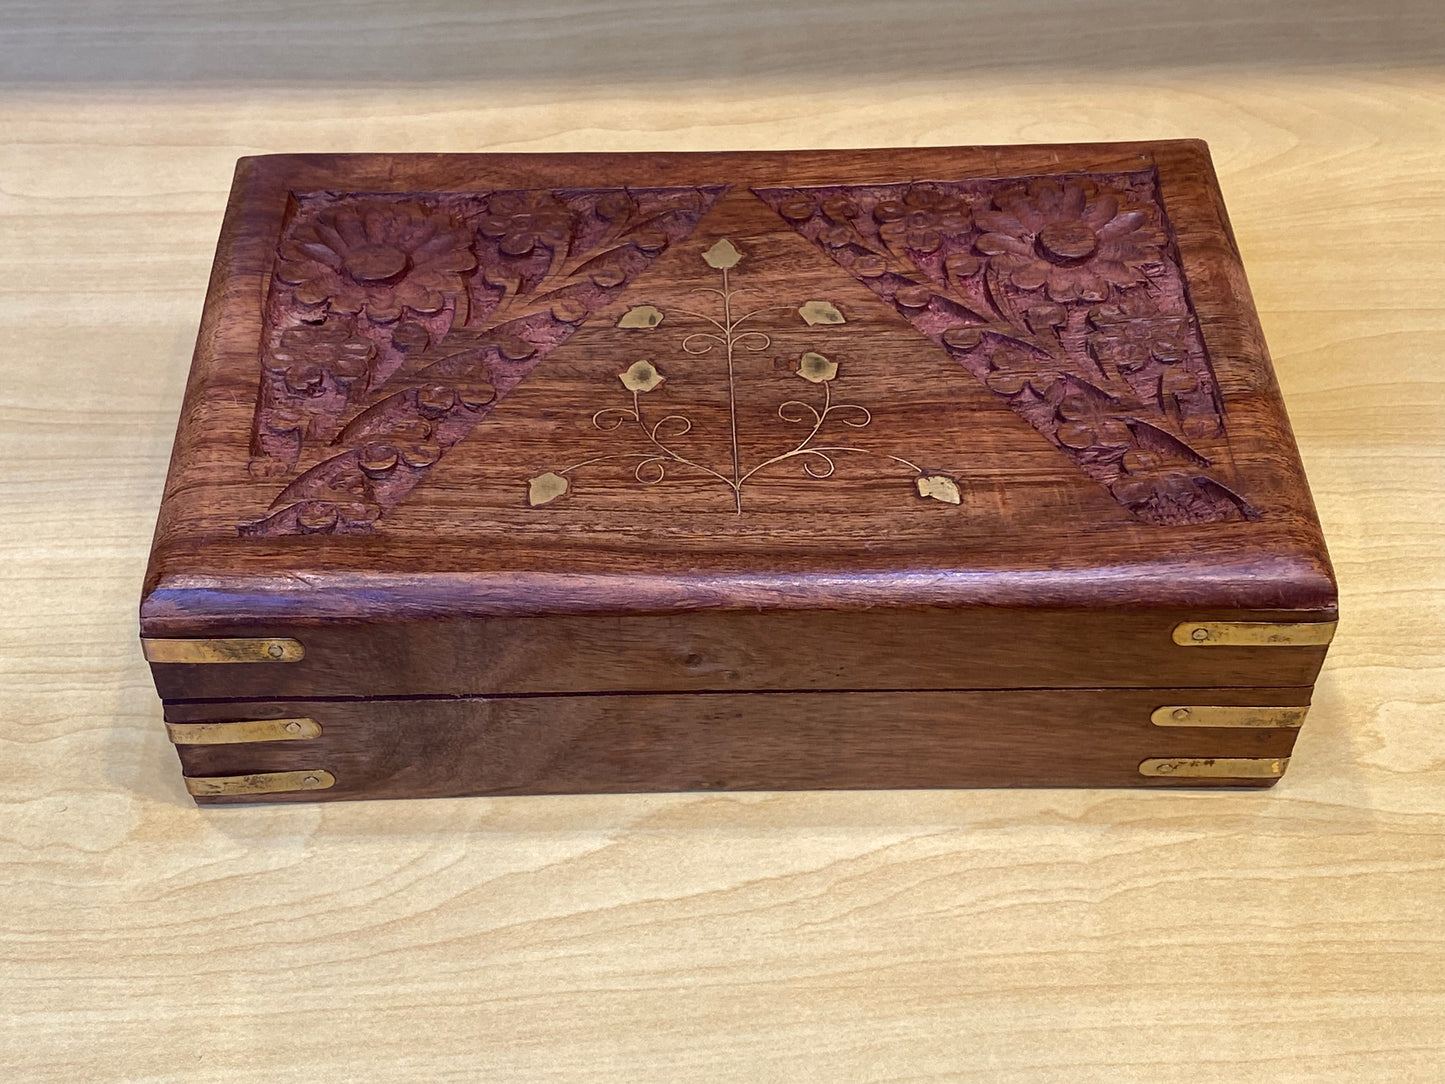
<point>509,474</point>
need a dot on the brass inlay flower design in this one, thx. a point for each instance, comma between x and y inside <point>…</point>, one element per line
<point>726,333</point>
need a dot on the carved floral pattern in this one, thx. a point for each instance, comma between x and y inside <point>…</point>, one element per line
<point>1074,243</point>
<point>1063,297</point>
<point>521,221</point>
<point>1016,370</point>
<point>1129,334</point>
<point>396,323</point>
<point>431,309</point>
<point>1166,493</point>
<point>922,220</point>
<point>376,257</point>
<point>309,354</point>
<point>1090,425</point>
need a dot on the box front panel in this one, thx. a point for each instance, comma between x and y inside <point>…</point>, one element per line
<point>330,750</point>
<point>902,649</point>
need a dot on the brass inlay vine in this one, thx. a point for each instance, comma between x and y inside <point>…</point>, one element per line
<point>651,463</point>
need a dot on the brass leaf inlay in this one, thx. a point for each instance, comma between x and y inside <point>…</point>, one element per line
<point>939,487</point>
<point>821,312</point>
<point>722,255</point>
<point>545,488</point>
<point>641,316</point>
<point>641,376</point>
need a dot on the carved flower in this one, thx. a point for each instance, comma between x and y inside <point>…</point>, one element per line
<point>800,208</point>
<point>1012,369</point>
<point>1181,392</point>
<point>327,517</point>
<point>922,219</point>
<point>1074,243</point>
<point>308,352</point>
<point>1088,423</point>
<point>410,336</point>
<point>838,213</point>
<point>870,266</point>
<point>1130,346</point>
<point>1130,333</point>
<point>524,220</point>
<point>377,257</point>
<point>342,504</point>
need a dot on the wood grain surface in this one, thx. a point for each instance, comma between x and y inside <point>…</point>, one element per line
<point>448,747</point>
<point>1295,934</point>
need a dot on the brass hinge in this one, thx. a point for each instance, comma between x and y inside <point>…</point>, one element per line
<point>259,783</point>
<point>1226,715</point>
<point>1254,633</point>
<point>1215,767</point>
<point>233,649</point>
<point>244,730</point>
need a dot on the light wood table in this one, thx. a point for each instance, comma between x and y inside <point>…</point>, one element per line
<point>1294,935</point>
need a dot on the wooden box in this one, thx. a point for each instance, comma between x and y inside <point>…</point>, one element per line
<point>513,474</point>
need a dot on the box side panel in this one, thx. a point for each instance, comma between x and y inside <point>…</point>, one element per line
<point>1262,444</point>
<point>757,741</point>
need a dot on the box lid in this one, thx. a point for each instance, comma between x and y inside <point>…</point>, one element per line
<point>946,418</point>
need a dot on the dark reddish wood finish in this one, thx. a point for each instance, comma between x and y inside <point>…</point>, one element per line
<point>738,741</point>
<point>730,651</point>
<point>509,424</point>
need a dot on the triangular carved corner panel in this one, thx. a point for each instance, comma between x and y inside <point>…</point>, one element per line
<point>1065,297</point>
<point>394,324</point>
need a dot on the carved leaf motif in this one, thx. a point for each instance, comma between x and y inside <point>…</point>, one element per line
<point>820,312</point>
<point>816,368</point>
<point>938,487</point>
<point>641,376</point>
<point>1012,369</point>
<point>914,297</point>
<point>513,347</point>
<point>963,338</point>
<point>722,255</point>
<point>569,310</point>
<point>545,488</point>
<point>643,316</point>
